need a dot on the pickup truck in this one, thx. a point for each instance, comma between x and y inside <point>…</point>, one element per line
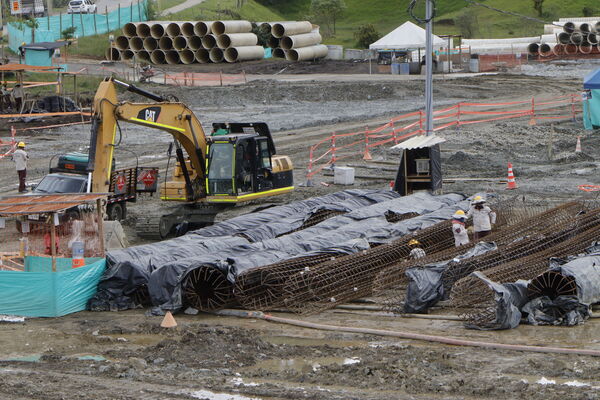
<point>70,176</point>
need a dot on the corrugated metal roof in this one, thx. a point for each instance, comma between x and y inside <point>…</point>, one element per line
<point>419,142</point>
<point>48,203</point>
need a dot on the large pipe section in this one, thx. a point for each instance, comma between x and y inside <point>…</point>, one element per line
<point>302,40</point>
<point>187,29</point>
<point>282,29</point>
<point>136,43</point>
<point>172,57</point>
<point>122,42</point>
<point>157,29</point>
<point>307,53</point>
<point>142,30</point>
<point>202,56</point>
<point>187,56</point>
<point>273,42</point>
<point>244,53</point>
<point>194,42</point>
<point>585,48</point>
<point>129,30</point>
<point>278,53</point>
<point>216,55</point>
<point>592,38</point>
<point>533,49</point>
<point>173,29</point>
<point>564,38</point>
<point>142,55</point>
<point>127,55</point>
<point>150,44</point>
<point>202,28</point>
<point>165,43</point>
<point>576,38</point>
<point>209,41</point>
<point>547,49</point>
<point>227,40</point>
<point>221,27</point>
<point>180,43</point>
<point>157,57</point>
<point>112,54</point>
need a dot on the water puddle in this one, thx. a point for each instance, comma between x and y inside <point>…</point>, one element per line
<point>208,395</point>
<point>302,365</point>
<point>28,358</point>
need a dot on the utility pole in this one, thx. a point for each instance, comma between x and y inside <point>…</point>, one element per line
<point>429,68</point>
<point>50,9</point>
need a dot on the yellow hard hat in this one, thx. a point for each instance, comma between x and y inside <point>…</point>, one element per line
<point>413,242</point>
<point>459,212</point>
<point>477,198</point>
<point>21,144</point>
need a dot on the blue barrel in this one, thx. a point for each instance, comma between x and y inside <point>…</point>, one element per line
<point>395,69</point>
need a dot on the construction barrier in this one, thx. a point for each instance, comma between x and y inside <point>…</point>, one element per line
<point>339,146</point>
<point>7,147</point>
<point>203,79</point>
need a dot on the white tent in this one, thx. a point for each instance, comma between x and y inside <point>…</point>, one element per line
<point>405,37</point>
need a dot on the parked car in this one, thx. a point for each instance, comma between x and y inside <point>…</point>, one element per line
<point>81,7</point>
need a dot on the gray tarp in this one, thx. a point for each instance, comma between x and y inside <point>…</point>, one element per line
<point>170,261</point>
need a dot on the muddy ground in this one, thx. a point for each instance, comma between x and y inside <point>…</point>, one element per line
<point>126,355</point>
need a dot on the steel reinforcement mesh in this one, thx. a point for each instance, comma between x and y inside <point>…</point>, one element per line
<point>476,300</point>
<point>394,278</point>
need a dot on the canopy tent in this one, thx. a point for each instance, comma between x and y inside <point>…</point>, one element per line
<point>591,100</point>
<point>406,36</point>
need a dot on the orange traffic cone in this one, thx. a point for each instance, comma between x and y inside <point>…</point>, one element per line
<point>168,321</point>
<point>511,178</point>
<point>578,146</point>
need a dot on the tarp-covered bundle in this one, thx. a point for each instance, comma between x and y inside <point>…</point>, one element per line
<point>259,239</point>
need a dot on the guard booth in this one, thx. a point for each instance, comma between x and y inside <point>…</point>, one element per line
<point>591,100</point>
<point>420,165</point>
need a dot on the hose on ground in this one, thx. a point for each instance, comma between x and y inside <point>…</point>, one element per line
<point>408,335</point>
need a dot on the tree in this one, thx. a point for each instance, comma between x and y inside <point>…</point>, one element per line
<point>365,35</point>
<point>537,6</point>
<point>467,23</point>
<point>328,11</point>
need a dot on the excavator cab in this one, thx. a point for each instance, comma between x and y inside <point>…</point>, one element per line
<point>242,165</point>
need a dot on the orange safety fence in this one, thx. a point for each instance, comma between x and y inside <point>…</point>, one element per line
<point>339,146</point>
<point>7,147</point>
<point>589,188</point>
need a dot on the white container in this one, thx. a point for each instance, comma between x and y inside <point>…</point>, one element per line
<point>343,176</point>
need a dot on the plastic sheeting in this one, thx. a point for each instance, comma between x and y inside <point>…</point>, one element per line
<point>425,287</point>
<point>166,264</point>
<point>563,310</point>
<point>48,294</point>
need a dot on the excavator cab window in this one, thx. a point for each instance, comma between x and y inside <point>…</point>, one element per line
<point>220,168</point>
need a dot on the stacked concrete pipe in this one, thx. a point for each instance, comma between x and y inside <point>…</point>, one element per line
<point>187,42</point>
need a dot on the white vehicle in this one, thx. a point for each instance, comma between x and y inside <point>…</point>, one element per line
<point>81,7</point>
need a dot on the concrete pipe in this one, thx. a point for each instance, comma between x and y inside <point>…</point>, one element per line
<point>221,27</point>
<point>202,56</point>
<point>244,53</point>
<point>569,27</point>
<point>172,57</point>
<point>533,49</point>
<point>576,38</point>
<point>303,40</point>
<point>187,29</point>
<point>202,28</point>
<point>558,50</point>
<point>180,43</point>
<point>592,38</point>
<point>278,52</point>
<point>236,40</point>
<point>157,57</point>
<point>112,54</point>
<point>282,29</point>
<point>173,29</point>
<point>307,53</point>
<point>136,43</point>
<point>158,30</point>
<point>127,55</point>
<point>194,42</point>
<point>585,48</point>
<point>142,55</point>
<point>129,30</point>
<point>550,38</point>
<point>150,44</point>
<point>216,55</point>
<point>597,26</point>
<point>547,49</point>
<point>209,41</point>
<point>272,42</point>
<point>187,56</point>
<point>122,43</point>
<point>564,38</point>
<point>142,30</point>
<point>586,27</point>
<point>570,49</point>
<point>165,43</point>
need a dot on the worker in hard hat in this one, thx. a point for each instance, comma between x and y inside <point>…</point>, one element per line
<point>18,94</point>
<point>20,158</point>
<point>416,250</point>
<point>461,236</point>
<point>483,218</point>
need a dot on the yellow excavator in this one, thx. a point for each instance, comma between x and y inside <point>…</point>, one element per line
<point>235,164</point>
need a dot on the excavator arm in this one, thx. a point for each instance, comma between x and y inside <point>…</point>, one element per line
<point>172,117</point>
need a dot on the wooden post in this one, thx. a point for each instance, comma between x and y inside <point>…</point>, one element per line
<point>221,77</point>
<point>139,11</point>
<point>76,91</point>
<point>82,27</point>
<point>95,25</point>
<point>100,226</point>
<point>119,16</point>
<point>131,12</point>
<point>53,242</point>
<point>60,24</point>
<point>107,22</point>
<point>244,73</point>
<point>72,20</point>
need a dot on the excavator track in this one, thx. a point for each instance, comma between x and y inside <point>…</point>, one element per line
<point>150,228</point>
